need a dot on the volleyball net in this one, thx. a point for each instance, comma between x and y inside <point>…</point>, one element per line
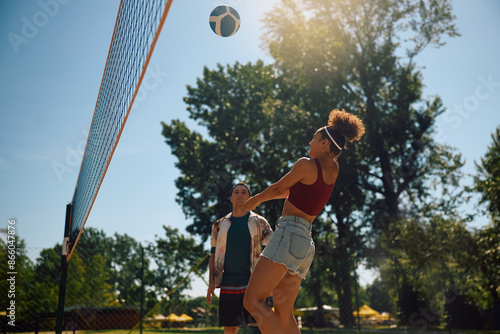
<point>137,28</point>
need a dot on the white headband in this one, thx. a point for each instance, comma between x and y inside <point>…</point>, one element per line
<point>333,140</point>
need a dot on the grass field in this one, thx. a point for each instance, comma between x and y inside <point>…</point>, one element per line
<point>218,330</point>
<point>215,330</point>
<point>199,331</point>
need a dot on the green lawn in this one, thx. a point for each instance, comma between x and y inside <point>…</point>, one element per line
<point>219,330</point>
<point>205,331</point>
<point>215,330</point>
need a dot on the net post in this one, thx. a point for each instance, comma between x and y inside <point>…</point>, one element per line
<point>142,286</point>
<point>64,272</point>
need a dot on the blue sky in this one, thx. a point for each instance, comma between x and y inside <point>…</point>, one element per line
<point>49,84</point>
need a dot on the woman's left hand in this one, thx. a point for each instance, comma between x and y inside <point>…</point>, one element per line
<point>251,204</point>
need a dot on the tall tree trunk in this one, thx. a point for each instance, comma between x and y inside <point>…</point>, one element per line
<point>343,277</point>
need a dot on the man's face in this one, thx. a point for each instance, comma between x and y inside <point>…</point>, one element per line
<point>240,195</point>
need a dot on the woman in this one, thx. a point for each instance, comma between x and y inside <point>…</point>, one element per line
<point>290,251</point>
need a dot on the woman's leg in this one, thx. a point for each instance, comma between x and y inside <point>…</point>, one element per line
<point>265,277</point>
<point>284,296</point>
<point>230,329</point>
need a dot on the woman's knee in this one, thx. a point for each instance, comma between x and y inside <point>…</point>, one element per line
<point>249,303</point>
<point>252,304</point>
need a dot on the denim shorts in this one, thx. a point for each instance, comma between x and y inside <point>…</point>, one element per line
<point>291,244</point>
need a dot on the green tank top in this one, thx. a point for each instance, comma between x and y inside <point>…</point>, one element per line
<point>237,259</point>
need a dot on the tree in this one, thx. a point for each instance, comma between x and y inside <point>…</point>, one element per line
<point>47,272</point>
<point>487,261</point>
<point>126,268</point>
<point>97,291</point>
<point>241,145</point>
<point>122,255</point>
<point>113,265</point>
<point>414,309</point>
<point>174,255</point>
<point>17,277</point>
<point>432,261</point>
<point>347,58</point>
<point>92,242</point>
<point>487,182</point>
<point>350,57</point>
<point>256,138</point>
<point>379,296</point>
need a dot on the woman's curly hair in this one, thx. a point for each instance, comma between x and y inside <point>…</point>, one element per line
<point>342,126</point>
<point>348,125</point>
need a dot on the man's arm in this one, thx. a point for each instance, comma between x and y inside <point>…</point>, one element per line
<point>211,279</point>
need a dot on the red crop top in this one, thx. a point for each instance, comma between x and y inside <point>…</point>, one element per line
<point>311,198</point>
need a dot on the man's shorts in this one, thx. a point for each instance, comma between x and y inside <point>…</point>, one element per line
<point>231,310</point>
<point>292,245</point>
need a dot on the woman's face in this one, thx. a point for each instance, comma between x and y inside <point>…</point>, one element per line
<point>317,145</point>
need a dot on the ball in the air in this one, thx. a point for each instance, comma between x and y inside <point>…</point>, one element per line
<point>224,21</point>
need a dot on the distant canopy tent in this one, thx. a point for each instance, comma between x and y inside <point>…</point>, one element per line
<point>185,318</point>
<point>385,316</point>
<point>365,311</point>
<point>172,317</point>
<point>158,317</point>
<point>137,28</point>
<point>327,310</point>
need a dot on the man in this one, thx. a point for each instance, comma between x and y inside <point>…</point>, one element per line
<point>237,241</point>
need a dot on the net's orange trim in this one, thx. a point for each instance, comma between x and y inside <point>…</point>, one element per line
<point>150,53</point>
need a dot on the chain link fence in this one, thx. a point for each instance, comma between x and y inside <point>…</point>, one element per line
<point>95,301</point>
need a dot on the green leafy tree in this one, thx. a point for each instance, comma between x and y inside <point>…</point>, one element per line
<point>349,58</point>
<point>75,281</point>
<point>126,266</point>
<point>122,255</point>
<point>16,287</point>
<point>240,145</point>
<point>352,56</point>
<point>252,137</point>
<point>487,182</point>
<point>96,290</point>
<point>414,308</point>
<point>428,259</point>
<point>488,265</point>
<point>174,255</point>
<point>103,271</point>
<point>93,242</point>
<point>47,277</point>
<point>379,296</point>
<point>256,142</point>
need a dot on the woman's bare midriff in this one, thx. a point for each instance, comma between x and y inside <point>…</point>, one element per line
<point>291,210</point>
